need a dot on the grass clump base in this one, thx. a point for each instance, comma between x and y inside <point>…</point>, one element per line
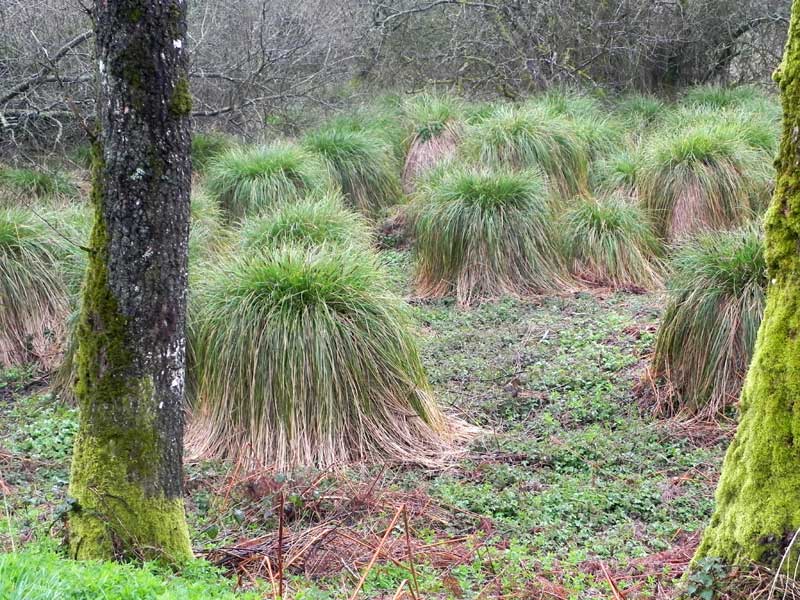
<point>34,302</point>
<point>707,334</point>
<point>250,180</point>
<point>304,357</point>
<point>610,242</point>
<point>482,234</point>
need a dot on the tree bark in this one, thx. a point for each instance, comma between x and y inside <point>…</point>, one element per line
<point>757,510</point>
<point>127,466</point>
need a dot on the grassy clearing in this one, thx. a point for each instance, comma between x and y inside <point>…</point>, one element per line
<point>706,339</point>
<point>485,234</point>
<point>571,475</point>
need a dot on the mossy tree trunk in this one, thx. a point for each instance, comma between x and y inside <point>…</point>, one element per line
<point>758,498</point>
<point>127,465</point>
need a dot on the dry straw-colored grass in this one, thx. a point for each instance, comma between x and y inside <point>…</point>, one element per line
<point>708,332</point>
<point>609,241</point>
<point>34,300</point>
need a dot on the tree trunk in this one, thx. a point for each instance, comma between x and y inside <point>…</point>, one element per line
<point>127,465</point>
<point>757,509</point>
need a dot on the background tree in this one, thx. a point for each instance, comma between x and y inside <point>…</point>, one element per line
<point>127,465</point>
<point>757,513</point>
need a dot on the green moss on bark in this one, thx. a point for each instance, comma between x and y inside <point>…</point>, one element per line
<point>757,510</point>
<point>181,101</point>
<point>119,512</point>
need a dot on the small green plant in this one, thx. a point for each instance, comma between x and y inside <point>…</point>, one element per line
<point>708,332</point>
<point>609,241</point>
<point>362,165</point>
<point>704,579</point>
<point>250,180</point>
<point>485,233</point>
<point>310,222</point>
<point>531,137</point>
<point>303,356</point>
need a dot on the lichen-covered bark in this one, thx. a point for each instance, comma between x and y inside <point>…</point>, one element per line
<point>758,498</point>
<point>127,466</point>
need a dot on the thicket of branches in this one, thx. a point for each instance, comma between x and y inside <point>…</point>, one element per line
<point>262,62</point>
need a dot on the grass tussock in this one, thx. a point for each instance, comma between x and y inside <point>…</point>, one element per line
<point>618,172</point>
<point>639,110</point>
<point>718,98</point>
<point>482,234</point>
<point>303,356</point>
<point>250,180</point>
<point>308,223</point>
<point>701,177</point>
<point>435,125</point>
<point>34,302</point>
<point>361,164</point>
<point>207,231</point>
<point>206,146</point>
<point>531,137</point>
<point>706,338</point>
<point>610,242</point>
<point>18,186</point>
